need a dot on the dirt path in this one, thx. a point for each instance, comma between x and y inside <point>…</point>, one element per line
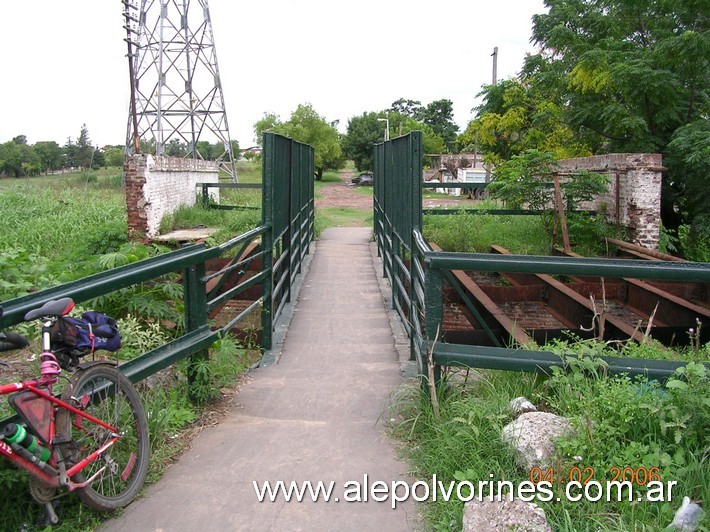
<point>342,194</point>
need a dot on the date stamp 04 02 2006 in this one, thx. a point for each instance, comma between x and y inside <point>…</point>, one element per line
<point>620,476</point>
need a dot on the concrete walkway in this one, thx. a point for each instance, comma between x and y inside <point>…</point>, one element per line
<point>316,415</point>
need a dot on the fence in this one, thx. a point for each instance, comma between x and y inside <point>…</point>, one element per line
<point>285,232</point>
<point>418,275</point>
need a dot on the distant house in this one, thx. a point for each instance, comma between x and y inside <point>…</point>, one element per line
<point>459,167</point>
<point>254,151</point>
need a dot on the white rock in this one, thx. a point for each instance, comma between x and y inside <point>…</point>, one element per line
<point>493,516</point>
<point>531,435</point>
<point>521,405</point>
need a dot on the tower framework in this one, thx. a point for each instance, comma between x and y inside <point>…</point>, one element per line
<point>177,103</point>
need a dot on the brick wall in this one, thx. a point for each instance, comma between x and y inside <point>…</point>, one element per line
<point>156,186</point>
<point>634,197</point>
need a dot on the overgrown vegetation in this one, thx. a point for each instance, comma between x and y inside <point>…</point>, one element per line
<point>61,228</point>
<point>171,417</point>
<point>475,232</point>
<point>619,422</point>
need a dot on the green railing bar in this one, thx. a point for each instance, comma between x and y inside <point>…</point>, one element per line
<point>232,267</point>
<point>471,308</point>
<point>282,279</point>
<point>453,184</point>
<point>230,185</point>
<point>541,361</point>
<point>105,282</point>
<point>160,358</point>
<point>241,287</point>
<point>497,212</point>
<point>241,315</point>
<point>219,207</point>
<point>248,236</point>
<point>638,269</point>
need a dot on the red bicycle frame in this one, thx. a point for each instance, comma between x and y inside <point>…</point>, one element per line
<point>53,472</point>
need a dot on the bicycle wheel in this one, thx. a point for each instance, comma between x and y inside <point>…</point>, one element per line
<point>105,393</point>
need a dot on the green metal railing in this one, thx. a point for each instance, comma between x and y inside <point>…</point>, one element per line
<point>418,275</point>
<point>286,232</point>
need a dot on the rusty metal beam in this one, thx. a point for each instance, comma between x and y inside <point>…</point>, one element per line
<point>489,307</point>
<point>574,309</point>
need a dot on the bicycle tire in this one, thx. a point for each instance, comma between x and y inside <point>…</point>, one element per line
<point>105,393</point>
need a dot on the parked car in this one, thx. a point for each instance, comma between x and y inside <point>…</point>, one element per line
<point>363,180</point>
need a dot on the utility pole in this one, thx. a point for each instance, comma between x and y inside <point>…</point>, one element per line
<point>495,65</point>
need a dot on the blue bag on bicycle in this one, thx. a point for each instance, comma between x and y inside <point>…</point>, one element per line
<point>81,336</point>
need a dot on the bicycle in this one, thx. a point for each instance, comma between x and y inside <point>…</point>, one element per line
<point>91,438</point>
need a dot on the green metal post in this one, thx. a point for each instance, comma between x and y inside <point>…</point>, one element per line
<point>267,240</point>
<point>434,315</point>
<point>205,196</point>
<point>415,211</point>
<point>198,370</point>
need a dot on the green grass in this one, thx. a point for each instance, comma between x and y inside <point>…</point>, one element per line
<point>249,171</point>
<point>521,234</point>
<point>472,233</point>
<point>341,217</point>
<point>619,422</point>
<point>364,191</point>
<point>61,227</point>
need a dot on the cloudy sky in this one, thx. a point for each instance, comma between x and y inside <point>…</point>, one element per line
<point>64,63</point>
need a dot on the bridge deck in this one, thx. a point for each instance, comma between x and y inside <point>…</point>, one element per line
<point>316,415</point>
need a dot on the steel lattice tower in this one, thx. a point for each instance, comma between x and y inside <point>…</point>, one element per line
<point>176,93</point>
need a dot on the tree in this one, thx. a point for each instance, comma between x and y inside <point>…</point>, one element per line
<point>363,133</point>
<point>175,148</point>
<point>49,154</point>
<point>521,114</point>
<point>268,122</point>
<point>366,130</point>
<point>10,159</point>
<point>114,155</point>
<point>307,126</point>
<point>83,154</point>
<point>98,160</point>
<point>439,115</point>
<point>17,158</point>
<point>688,153</point>
<point>524,181</point>
<point>410,108</point>
<point>632,74</point>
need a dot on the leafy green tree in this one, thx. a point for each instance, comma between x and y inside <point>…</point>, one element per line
<point>632,74</point>
<point>10,159</point>
<point>688,154</point>
<point>49,154</point>
<point>524,181</point>
<point>84,152</point>
<point>363,133</point>
<point>98,160</point>
<point>268,122</point>
<point>439,115</point>
<point>517,115</point>
<point>69,149</point>
<point>17,158</point>
<point>205,149</point>
<point>367,130</point>
<point>235,149</point>
<point>114,155</point>
<point>410,108</point>
<point>175,148</point>
<point>307,126</point>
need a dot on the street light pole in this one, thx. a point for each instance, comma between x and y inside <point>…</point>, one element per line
<point>387,125</point>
